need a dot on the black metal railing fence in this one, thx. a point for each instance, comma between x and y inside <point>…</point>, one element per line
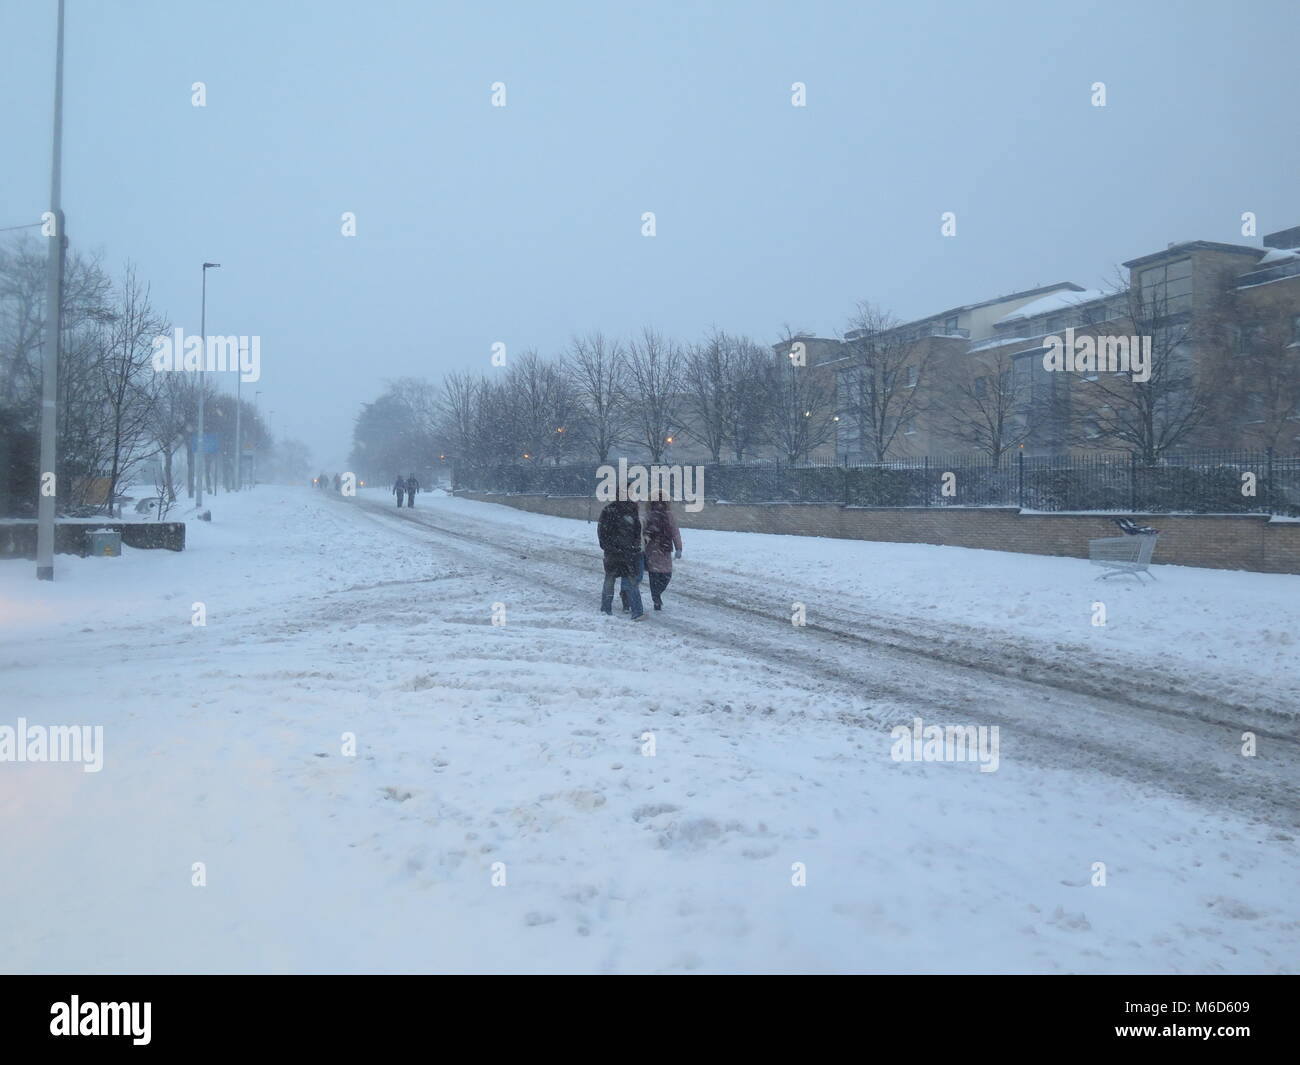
<point>1224,481</point>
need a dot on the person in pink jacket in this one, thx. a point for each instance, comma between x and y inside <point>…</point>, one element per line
<point>663,543</point>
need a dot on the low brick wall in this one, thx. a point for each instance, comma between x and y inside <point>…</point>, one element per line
<point>18,538</point>
<point>1231,541</point>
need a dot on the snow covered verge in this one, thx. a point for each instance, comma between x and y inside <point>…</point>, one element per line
<point>502,812</point>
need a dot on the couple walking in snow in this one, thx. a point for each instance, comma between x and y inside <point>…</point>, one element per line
<point>407,487</point>
<point>631,550</point>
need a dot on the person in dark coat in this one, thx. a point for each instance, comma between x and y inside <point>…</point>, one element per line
<point>663,541</point>
<point>399,490</point>
<point>337,482</point>
<point>412,486</point>
<point>619,533</point>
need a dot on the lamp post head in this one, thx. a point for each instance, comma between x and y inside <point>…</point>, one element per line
<point>209,265</point>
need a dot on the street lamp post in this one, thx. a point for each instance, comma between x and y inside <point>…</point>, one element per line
<point>48,493</point>
<point>239,441</point>
<point>203,366</point>
<point>252,479</point>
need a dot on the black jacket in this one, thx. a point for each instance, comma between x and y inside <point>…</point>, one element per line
<point>619,533</point>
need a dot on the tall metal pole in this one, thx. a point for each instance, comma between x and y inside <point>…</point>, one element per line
<point>257,409</point>
<point>48,486</point>
<point>239,441</point>
<point>202,446</point>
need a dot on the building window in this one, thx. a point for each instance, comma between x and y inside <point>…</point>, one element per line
<point>981,387</point>
<point>1092,428</point>
<point>911,377</point>
<point>1295,329</point>
<point>1166,289</point>
<point>1055,324</point>
<point>950,325</point>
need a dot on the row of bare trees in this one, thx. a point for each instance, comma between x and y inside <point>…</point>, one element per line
<point>725,395</point>
<point>1222,371</point>
<point>116,413</point>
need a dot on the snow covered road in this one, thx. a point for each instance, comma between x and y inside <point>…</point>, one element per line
<point>516,753</point>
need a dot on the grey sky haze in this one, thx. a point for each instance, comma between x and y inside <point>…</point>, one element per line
<point>522,224</point>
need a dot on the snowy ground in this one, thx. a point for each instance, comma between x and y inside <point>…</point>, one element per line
<point>522,744</point>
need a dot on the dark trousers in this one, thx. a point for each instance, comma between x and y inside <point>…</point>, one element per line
<point>640,570</point>
<point>399,499</point>
<point>410,499</point>
<point>626,569</point>
<point>658,582</point>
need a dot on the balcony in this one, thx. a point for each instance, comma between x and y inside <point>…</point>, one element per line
<point>1269,273</point>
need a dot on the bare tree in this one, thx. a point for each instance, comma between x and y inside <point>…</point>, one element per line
<point>653,393</point>
<point>749,414</point>
<point>496,437</point>
<point>398,432</point>
<point>885,381</point>
<point>542,404</point>
<point>598,371</point>
<point>1153,416</point>
<point>128,381</point>
<point>458,402</point>
<point>985,405</point>
<point>801,407</point>
<point>709,379</point>
<point>174,412</point>
<point>84,432</point>
<point>22,295</point>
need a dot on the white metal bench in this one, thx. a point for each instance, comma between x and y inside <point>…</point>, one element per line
<point>1123,554</point>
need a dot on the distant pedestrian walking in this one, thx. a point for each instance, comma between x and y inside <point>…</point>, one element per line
<point>399,489</point>
<point>337,482</point>
<point>663,542</point>
<point>412,486</point>
<point>619,534</point>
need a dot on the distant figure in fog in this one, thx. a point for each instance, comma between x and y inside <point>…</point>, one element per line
<point>619,533</point>
<point>337,482</point>
<point>412,486</point>
<point>322,481</point>
<point>399,489</point>
<point>662,539</point>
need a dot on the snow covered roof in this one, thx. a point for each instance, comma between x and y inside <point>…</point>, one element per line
<point>1278,255</point>
<point>1056,301</point>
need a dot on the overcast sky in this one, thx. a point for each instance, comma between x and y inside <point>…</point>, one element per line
<point>522,224</point>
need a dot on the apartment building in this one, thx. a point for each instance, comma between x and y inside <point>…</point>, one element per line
<point>1221,323</point>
